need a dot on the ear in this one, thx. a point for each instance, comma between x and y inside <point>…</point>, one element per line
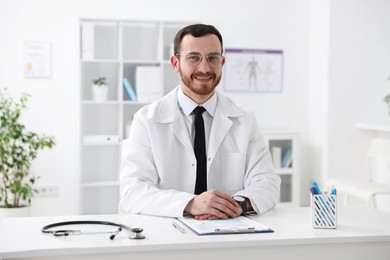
<point>175,63</point>
<point>223,60</point>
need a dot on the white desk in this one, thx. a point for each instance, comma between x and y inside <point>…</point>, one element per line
<point>361,234</point>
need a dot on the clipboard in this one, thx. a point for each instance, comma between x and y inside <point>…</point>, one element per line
<point>239,225</point>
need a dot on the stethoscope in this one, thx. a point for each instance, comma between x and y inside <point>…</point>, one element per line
<point>135,233</point>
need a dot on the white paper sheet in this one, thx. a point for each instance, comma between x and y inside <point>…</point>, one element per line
<point>240,224</point>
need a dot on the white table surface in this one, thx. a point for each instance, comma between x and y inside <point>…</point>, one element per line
<point>359,230</point>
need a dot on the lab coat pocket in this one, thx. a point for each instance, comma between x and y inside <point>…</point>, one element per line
<point>233,170</point>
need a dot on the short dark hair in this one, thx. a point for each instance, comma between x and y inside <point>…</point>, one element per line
<point>196,30</point>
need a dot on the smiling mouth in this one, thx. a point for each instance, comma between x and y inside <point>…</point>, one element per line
<point>204,78</point>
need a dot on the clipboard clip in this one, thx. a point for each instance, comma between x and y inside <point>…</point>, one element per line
<point>235,230</point>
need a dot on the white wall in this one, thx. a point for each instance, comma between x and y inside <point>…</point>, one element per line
<point>53,109</point>
<point>317,144</point>
<point>356,73</point>
<point>359,70</point>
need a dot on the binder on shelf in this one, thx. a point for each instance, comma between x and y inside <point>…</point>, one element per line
<point>129,90</point>
<point>276,153</point>
<point>101,139</point>
<point>287,158</point>
<point>149,83</point>
<point>87,41</point>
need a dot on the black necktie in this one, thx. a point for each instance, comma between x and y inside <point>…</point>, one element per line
<point>200,152</point>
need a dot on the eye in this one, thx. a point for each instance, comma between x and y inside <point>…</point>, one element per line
<point>194,58</point>
<point>213,58</point>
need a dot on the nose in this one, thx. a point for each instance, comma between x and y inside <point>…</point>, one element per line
<point>204,66</point>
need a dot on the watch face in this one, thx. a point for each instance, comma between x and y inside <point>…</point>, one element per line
<point>239,198</point>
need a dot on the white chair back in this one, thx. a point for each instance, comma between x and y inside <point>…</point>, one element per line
<point>379,161</point>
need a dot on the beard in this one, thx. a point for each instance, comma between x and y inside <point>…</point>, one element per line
<point>197,87</point>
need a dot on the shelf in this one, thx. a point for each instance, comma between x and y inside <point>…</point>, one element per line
<point>283,171</point>
<point>283,146</point>
<point>117,49</point>
<point>142,62</point>
<point>129,102</point>
<point>279,131</point>
<point>100,184</point>
<point>100,144</point>
<point>379,127</point>
<point>87,61</point>
<point>91,102</point>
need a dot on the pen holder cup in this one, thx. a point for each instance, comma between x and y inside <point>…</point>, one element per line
<point>324,211</point>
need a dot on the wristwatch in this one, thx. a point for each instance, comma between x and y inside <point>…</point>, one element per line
<point>242,201</point>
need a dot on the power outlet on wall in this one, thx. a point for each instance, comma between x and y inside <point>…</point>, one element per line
<point>47,191</point>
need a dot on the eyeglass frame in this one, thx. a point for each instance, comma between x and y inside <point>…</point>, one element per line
<point>198,54</point>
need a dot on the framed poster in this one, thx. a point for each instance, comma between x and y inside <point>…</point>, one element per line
<point>253,70</point>
<point>37,59</point>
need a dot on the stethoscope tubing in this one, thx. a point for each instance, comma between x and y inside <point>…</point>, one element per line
<point>136,232</point>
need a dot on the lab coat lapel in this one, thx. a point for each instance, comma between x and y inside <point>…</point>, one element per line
<point>169,113</point>
<point>222,122</point>
<point>220,127</point>
<point>180,131</point>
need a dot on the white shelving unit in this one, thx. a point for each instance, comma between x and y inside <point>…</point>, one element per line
<point>114,49</point>
<point>284,148</point>
<point>378,127</point>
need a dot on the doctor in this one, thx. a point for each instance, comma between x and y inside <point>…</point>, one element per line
<point>159,166</point>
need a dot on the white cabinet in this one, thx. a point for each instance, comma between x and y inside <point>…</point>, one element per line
<point>117,50</point>
<point>284,149</point>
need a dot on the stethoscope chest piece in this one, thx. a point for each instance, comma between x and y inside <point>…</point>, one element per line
<point>137,233</point>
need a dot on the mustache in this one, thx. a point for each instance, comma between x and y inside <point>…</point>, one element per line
<point>209,74</point>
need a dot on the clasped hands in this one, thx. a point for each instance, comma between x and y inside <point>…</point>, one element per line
<point>213,204</point>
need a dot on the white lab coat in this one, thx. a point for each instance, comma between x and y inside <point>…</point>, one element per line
<point>158,168</point>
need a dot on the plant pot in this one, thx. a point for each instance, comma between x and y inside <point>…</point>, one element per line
<point>99,93</point>
<point>14,212</point>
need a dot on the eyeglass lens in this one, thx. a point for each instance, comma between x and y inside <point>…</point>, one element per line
<point>213,59</point>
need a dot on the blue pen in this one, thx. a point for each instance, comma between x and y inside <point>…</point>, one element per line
<point>315,185</point>
<point>313,191</point>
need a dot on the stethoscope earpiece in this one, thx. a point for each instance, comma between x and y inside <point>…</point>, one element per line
<point>116,233</point>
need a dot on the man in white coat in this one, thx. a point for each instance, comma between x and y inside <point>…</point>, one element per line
<point>159,166</point>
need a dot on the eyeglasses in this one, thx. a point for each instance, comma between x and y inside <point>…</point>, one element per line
<point>214,59</point>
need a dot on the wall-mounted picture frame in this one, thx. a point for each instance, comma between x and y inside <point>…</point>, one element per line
<point>253,70</point>
<point>37,59</point>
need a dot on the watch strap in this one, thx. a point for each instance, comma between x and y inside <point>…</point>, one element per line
<point>242,203</point>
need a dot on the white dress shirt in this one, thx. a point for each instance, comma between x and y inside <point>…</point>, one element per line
<point>187,106</point>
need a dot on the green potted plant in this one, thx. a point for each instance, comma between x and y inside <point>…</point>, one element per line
<point>18,148</point>
<point>387,100</point>
<point>99,89</point>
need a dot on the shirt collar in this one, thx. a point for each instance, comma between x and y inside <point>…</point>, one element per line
<point>188,105</point>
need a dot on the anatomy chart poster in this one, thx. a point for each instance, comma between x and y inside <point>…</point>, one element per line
<point>253,70</point>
